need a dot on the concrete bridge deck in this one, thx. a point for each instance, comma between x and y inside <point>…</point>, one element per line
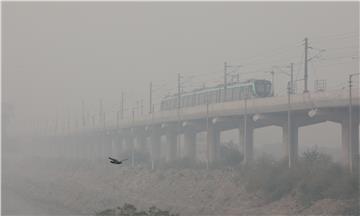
<point>322,99</point>
<point>145,132</point>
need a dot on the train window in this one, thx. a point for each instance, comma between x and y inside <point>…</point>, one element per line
<point>207,97</point>
<point>174,103</point>
<point>268,88</point>
<point>204,98</point>
<point>202,101</point>
<point>260,87</point>
<point>217,93</point>
<point>244,93</point>
<point>228,94</point>
<point>233,93</point>
<point>236,93</point>
<point>169,104</point>
<point>221,95</point>
<point>188,100</point>
<point>213,96</point>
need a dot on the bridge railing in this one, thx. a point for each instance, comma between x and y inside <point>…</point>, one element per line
<point>332,98</point>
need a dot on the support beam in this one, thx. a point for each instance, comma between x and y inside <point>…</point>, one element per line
<point>213,142</point>
<point>190,145</point>
<point>117,145</point>
<point>129,145</point>
<point>155,147</point>
<point>246,138</point>
<point>350,151</point>
<point>171,144</point>
<point>141,143</point>
<point>98,146</point>
<point>290,144</point>
<point>92,147</point>
<point>107,144</point>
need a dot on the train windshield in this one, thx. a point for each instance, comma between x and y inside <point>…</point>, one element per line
<point>263,88</point>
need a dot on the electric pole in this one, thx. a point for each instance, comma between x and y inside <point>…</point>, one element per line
<point>272,83</point>
<point>306,67</point>
<point>179,91</point>
<point>137,108</point>
<point>289,131</point>
<point>117,119</point>
<point>225,79</point>
<point>104,120</point>
<point>353,152</point>
<point>133,114</point>
<point>122,105</point>
<point>83,113</point>
<point>207,129</point>
<point>93,120</point>
<point>150,99</point>
<point>101,112</point>
<point>56,125</point>
<point>291,78</point>
<point>226,66</point>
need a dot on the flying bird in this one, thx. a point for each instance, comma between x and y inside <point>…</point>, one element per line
<point>115,161</point>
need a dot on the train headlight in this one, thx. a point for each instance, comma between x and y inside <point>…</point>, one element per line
<point>215,120</point>
<point>312,113</point>
<point>256,117</point>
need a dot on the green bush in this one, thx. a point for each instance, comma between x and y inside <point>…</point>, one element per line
<point>182,163</point>
<point>131,210</point>
<point>314,177</point>
<point>230,156</point>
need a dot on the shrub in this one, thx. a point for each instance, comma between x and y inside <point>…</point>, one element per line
<point>131,210</point>
<point>230,156</point>
<point>314,177</point>
<point>322,178</point>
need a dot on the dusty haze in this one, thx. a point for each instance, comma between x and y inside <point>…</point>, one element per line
<point>57,55</point>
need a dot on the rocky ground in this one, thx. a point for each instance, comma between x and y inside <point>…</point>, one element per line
<point>84,188</point>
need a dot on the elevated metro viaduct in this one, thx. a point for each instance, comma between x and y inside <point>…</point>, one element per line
<point>245,115</point>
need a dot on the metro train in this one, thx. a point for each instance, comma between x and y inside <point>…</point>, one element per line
<point>253,88</point>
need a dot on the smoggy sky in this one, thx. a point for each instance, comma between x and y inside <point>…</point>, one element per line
<point>57,54</point>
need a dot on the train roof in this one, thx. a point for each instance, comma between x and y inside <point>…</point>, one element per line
<point>207,89</point>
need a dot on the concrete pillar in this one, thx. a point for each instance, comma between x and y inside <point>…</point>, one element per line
<point>117,146</point>
<point>350,151</point>
<point>213,142</point>
<point>92,148</point>
<point>171,144</point>
<point>99,147</point>
<point>246,138</point>
<point>345,149</point>
<point>72,147</point>
<point>85,145</point>
<point>155,147</point>
<point>190,144</point>
<point>291,149</point>
<point>78,146</point>
<point>108,139</point>
<point>129,146</point>
<point>141,143</point>
<point>90,144</point>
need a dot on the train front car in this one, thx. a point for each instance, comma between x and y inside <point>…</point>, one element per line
<point>263,88</point>
<point>235,91</point>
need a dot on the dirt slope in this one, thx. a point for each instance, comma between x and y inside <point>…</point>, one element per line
<point>89,187</point>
